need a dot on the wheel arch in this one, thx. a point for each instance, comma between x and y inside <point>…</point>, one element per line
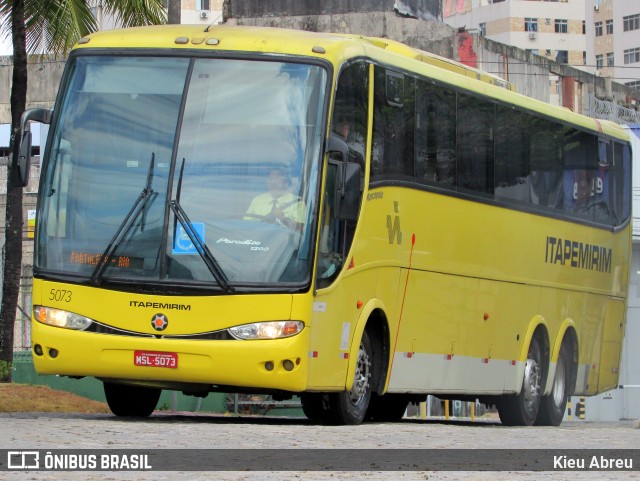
<point>537,329</point>
<point>374,320</point>
<point>566,334</point>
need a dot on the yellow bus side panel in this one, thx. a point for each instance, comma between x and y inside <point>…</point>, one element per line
<point>613,330</point>
<point>335,316</point>
<point>481,279</point>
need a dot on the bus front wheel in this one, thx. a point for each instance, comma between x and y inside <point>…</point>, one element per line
<point>135,401</point>
<point>522,409</point>
<point>350,407</point>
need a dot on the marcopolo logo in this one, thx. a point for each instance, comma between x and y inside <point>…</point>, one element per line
<point>159,322</point>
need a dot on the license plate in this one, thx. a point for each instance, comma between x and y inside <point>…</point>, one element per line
<point>156,359</point>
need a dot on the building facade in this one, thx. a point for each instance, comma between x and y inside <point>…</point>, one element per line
<point>551,29</point>
<point>613,40</point>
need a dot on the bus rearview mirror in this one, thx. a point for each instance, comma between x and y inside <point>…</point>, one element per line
<point>23,162</point>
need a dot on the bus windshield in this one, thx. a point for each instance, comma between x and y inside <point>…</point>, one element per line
<point>183,171</point>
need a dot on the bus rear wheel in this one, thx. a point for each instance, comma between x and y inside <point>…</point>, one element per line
<point>350,407</point>
<point>552,407</point>
<point>134,401</point>
<point>522,409</point>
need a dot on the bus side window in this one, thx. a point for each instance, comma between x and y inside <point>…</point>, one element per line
<point>621,182</point>
<point>475,145</point>
<point>586,180</point>
<point>513,171</point>
<point>546,164</point>
<point>393,125</point>
<point>349,124</point>
<point>435,135</point>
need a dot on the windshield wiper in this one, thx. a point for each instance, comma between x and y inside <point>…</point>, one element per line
<point>208,258</point>
<point>125,226</point>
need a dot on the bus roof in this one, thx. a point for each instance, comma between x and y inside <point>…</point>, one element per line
<point>337,48</point>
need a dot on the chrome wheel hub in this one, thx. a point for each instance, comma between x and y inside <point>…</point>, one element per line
<point>362,376</point>
<point>559,383</point>
<point>532,380</point>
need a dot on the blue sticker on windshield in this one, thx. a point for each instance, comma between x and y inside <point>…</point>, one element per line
<point>183,244</point>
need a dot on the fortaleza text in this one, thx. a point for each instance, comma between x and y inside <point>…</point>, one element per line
<point>578,255</point>
<point>591,462</point>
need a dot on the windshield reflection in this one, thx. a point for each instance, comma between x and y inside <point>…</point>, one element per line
<point>243,123</point>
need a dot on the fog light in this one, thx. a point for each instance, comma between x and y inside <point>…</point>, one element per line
<point>287,364</point>
<point>53,353</point>
<point>268,366</point>
<point>38,349</point>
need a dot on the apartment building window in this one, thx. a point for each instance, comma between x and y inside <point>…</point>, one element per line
<point>483,29</point>
<point>632,55</point>
<point>530,24</point>
<point>562,56</point>
<point>561,26</point>
<point>631,22</point>
<point>598,29</point>
<point>203,5</point>
<point>633,85</point>
<point>610,59</point>
<point>599,61</point>
<point>609,27</point>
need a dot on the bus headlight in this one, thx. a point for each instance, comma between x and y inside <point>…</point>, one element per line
<point>60,318</point>
<point>267,330</point>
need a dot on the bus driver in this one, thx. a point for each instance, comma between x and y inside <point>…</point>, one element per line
<point>278,205</point>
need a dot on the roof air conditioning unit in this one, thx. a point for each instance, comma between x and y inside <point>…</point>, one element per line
<point>204,14</point>
<point>533,35</point>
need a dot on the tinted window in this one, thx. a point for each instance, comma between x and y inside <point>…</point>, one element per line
<point>513,172</point>
<point>435,135</point>
<point>546,163</point>
<point>475,144</point>
<point>393,125</point>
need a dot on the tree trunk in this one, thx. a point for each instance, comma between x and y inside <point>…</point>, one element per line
<point>12,252</point>
<point>173,12</point>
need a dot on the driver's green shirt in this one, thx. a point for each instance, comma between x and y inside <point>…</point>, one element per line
<point>262,206</point>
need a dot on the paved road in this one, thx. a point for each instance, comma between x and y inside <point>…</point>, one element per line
<point>43,431</point>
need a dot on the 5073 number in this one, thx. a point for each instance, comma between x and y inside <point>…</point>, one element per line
<point>60,295</point>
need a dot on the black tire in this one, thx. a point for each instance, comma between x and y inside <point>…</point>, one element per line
<point>315,406</point>
<point>350,407</point>
<point>133,401</point>
<point>522,409</point>
<point>387,408</point>
<point>552,407</point>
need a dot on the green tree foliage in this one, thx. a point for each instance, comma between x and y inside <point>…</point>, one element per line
<point>44,26</point>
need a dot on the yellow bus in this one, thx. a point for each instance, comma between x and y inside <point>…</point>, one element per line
<point>336,217</point>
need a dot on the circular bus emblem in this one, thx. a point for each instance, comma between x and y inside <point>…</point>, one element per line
<point>159,322</point>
